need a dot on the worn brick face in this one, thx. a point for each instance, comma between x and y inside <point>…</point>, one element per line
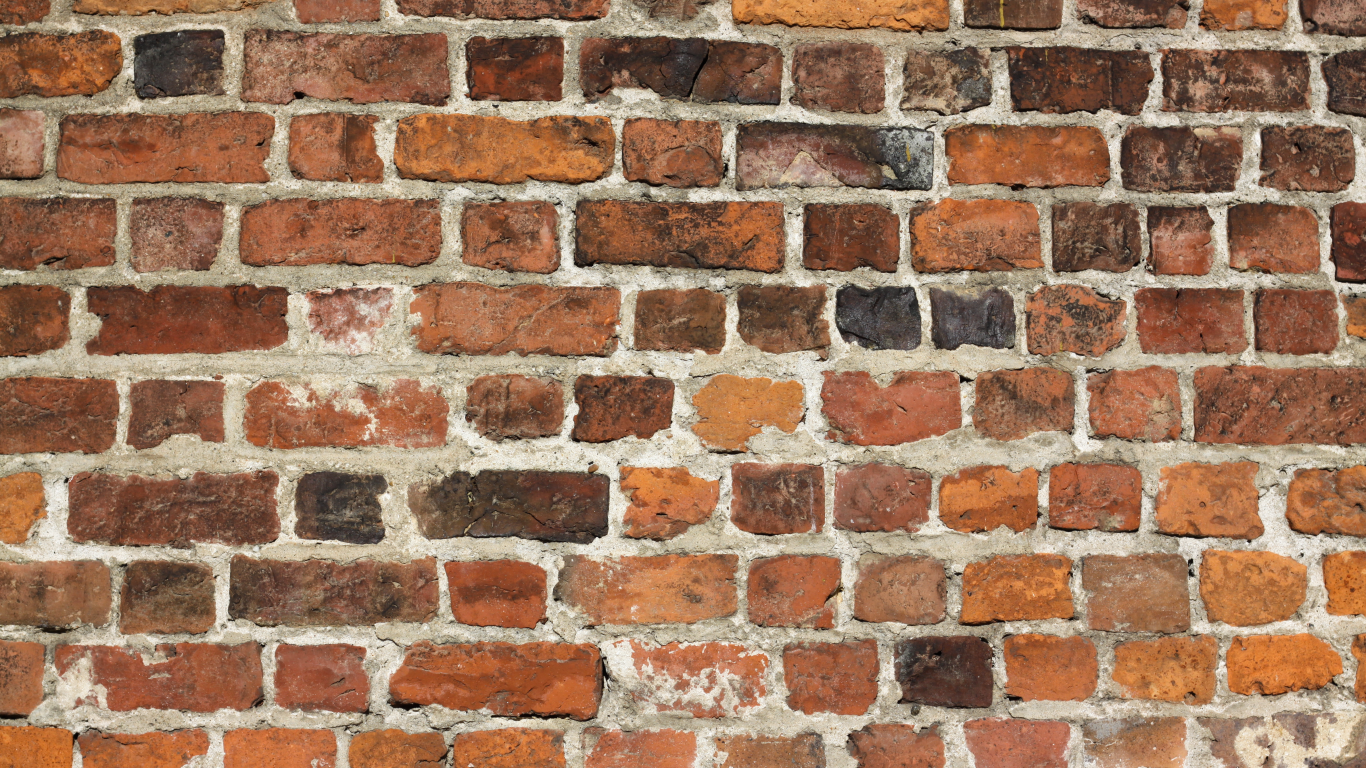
<point>1136,593</point>
<point>1273,238</point>
<point>282,66</point>
<point>793,591</point>
<point>224,147</point>
<point>512,237</point>
<point>462,148</point>
<point>705,680</point>
<point>516,407</point>
<point>683,153</point>
<point>398,414</point>
<point>1246,589</point>
<point>163,409</point>
<point>1092,236</point>
<point>976,235</point>
<point>21,677</point>
<point>731,410</point>
<point>1174,669</point>
<point>1180,240</point>
<point>839,77</point>
<point>913,406</point>
<point>497,593</point>
<point>514,69</point>
<point>1073,318</point>
<point>737,235</point>
<point>1209,500</point>
<point>981,499</point>
<point>81,64</point>
<point>1026,156</point>
<point>778,498</point>
<point>979,318</point>
<point>57,232</point>
<point>1135,405</point>
<point>33,319</point>
<point>21,144</point>
<point>781,155</point>
<point>1181,159</point>
<point>649,590</point>
<point>1012,405</point>
<point>1003,742</point>
<point>1017,588</point>
<point>184,63</point>
<point>322,678</point>
<point>149,750</point>
<point>947,82</point>
<point>1290,322</point>
<point>530,504</point>
<point>175,233</point>
<point>846,237</point>
<point>881,497</point>
<point>195,677</point>
<point>665,502</point>
<point>1183,320</point>
<point>1106,497</point>
<point>534,679</point>
<point>22,504</point>
<point>167,598</point>
<point>909,589</point>
<point>681,321</point>
<point>1307,158</point>
<point>335,147</point>
<point>1055,80</point>
<point>1241,80</point>
<point>840,678</point>
<point>319,593</point>
<point>476,319</point>
<point>57,415</point>
<point>1045,668</point>
<point>944,671</point>
<point>138,510</point>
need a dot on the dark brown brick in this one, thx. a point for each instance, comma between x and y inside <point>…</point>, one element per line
<point>1280,406</point>
<point>617,407</point>
<point>1235,81</point>
<point>140,511</point>
<point>740,73</point>
<point>530,504</point>
<point>1291,322</point>
<point>59,232</point>
<point>735,235</point>
<point>1012,405</point>
<point>673,153</point>
<point>947,82</point>
<point>780,318</point>
<point>175,233</point>
<point>1094,236</point>
<point>1307,158</point>
<point>945,671</point>
<point>188,62</point>
<point>666,65</point>
<point>33,319</point>
<point>680,321</point>
<point>1180,240</point>
<point>25,12</point>
<point>1345,74</point>
<point>779,155</point>
<point>167,598</point>
<point>1174,321</point>
<point>778,498</point>
<point>173,319</point>
<point>510,406</point>
<point>1054,80</point>
<point>296,232</point>
<point>1013,14</point>
<point>1134,13</point>
<point>334,506</point>
<point>1181,159</point>
<point>42,415</point>
<point>161,409</point>
<point>333,146</point>
<point>1333,17</point>
<point>320,593</point>
<point>55,595</point>
<point>839,77</point>
<point>514,69</point>
<point>282,66</point>
<point>846,237</point>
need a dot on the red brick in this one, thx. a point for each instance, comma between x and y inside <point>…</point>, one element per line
<point>1017,588</point>
<point>1026,156</point>
<point>573,10</point>
<point>33,319</point>
<point>535,679</point>
<point>190,676</point>
<point>840,678</point>
<point>1327,501</point>
<point>1175,669</point>
<point>1359,653</point>
<point>783,318</point>
<point>184,319</point>
<point>167,598</point>
<point>507,747</point>
<point>1159,742</point>
<point>142,7</point>
<point>1349,241</point>
<point>733,235</point>
<point>1209,500</point>
<point>1073,318</point>
<point>401,414</point>
<point>321,593</point>
<point>1344,577</point>
<point>846,237</point>
<point>975,235</point>
<point>322,678</point>
<point>617,407</point>
<point>662,748</point>
<point>1270,665</point>
<point>25,12</point>
<point>41,415</point>
<point>1094,236</point>
<point>226,147</point>
<point>914,406</point>
<point>477,319</point>
<point>300,232</point>
<point>1179,240</point>
<point>22,505</point>
<point>739,73</point>
<point>649,590</point>
<point>497,593</point>
<point>136,510</point>
<point>680,320</point>
<point>1250,588</point>
<point>392,748</point>
<point>1044,668</point>
<point>1174,321</point>
<point>324,11</point>
<point>29,747</point>
<point>908,589</point>
<point>839,77</point>
<point>514,69</point>
<point>287,747</point>
<point>1333,17</point>
<point>1012,405</point>
<point>59,232</point>
<point>142,750</point>
<point>348,318</point>
<point>1273,238</point>
<point>1296,322</point>
<point>948,82</point>
<point>673,153</point>
<point>21,144</point>
<point>1307,158</point>
<point>1135,405</point>
<point>1003,742</point>
<point>897,746</point>
<point>511,406</point>
<point>773,499</point>
<point>982,499</point>
<point>704,680</point>
<point>1235,81</point>
<point>21,677</point>
<point>1053,80</point>
<point>1136,593</point>
<point>513,237</point>
<point>1181,159</point>
<point>1236,15</point>
<point>175,233</point>
<point>282,66</point>
<point>335,147</point>
<point>1268,406</point>
<point>760,751</point>
<point>161,409</point>
<point>1087,497</point>
<point>881,497</point>
<point>530,504</point>
<point>496,150</point>
<point>794,591</point>
<point>1355,307</point>
<point>35,64</point>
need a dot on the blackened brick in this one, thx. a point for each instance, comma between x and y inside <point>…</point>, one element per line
<point>981,318</point>
<point>334,506</point>
<point>878,318</point>
<point>183,63</point>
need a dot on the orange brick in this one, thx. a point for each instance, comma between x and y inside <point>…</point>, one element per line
<point>731,410</point>
<point>840,678</point>
<point>976,235</point>
<point>1017,588</point>
<point>287,748</point>
<point>1177,669</point>
<point>496,150</point>
<point>1201,500</point>
<point>393,748</point>
<point>886,14</point>
<point>915,405</point>
<point>1027,156</point>
<point>509,748</point>
<point>663,748</point>
<point>142,750</point>
<point>21,677</point>
<point>649,590</point>
<point>981,499</point>
<point>1344,575</point>
<point>22,505</point>
<point>1249,588</point>
<point>1045,668</point>
<point>1274,664</point>
<point>794,591</point>
<point>666,501</point>
<point>26,747</point>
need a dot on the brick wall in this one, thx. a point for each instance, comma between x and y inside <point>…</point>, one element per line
<point>682,383</point>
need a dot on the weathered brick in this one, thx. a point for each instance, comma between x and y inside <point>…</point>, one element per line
<point>1135,405</point>
<point>1235,81</point>
<point>1355,307</point>
<point>23,12</point>
<point>1180,240</point>
<point>880,14</point>
<point>320,593</point>
<point>976,235</point>
<point>840,678</point>
<point>281,66</point>
<point>740,73</point>
<point>1235,15</point>
<point>783,318</point>
<point>1017,588</point>
<point>881,497</point>
<point>617,407</point>
<point>287,747</point>
<point>878,318</point>
<point>1134,13</point>
<point>779,155</point>
<point>666,65</point>
<point>347,319</point>
<point>1203,500</point>
<point>680,320</point>
<point>1250,588</point>
<point>22,505</point>
<point>36,64</point>
<point>534,679</point>
<point>1349,241</point>
<point>1344,577</point>
<point>1093,236</point>
<point>140,7</point>
<point>225,147</point>
<point>142,750</point>
<point>511,406</point>
<point>335,506</point>
<point>175,233</point>
<point>569,10</point>
<point>322,678</point>
<point>649,590</point>
<point>324,11</point>
<point>1053,80</point>
<point>58,232</point>
<point>1045,668</point>
<point>1175,669</point>
<point>731,410</point>
<point>1328,501</point>
<point>188,62</point>
<point>846,237</point>
<point>300,232</point>
<point>1289,738</point>
<point>897,746</point>
<point>1026,156</point>
<point>1270,665</point>
<point>915,405</point>
<point>1136,593</point>
<point>1344,73</point>
<point>514,68</point>
<point>704,680</point>
<point>21,144</point>
<point>32,747</point>
<point>1173,321</point>
<point>33,319</point>
<point>1290,322</point>
<point>839,77</point>
<point>392,748</point>
<point>21,678</point>
<point>982,499</point>
<point>496,150</point>
<point>1181,159</point>
<point>1012,405</point>
<point>1013,14</point>
<point>1307,158</point>
<point>1333,17</point>
<point>509,747</point>
<point>1073,318</point>
<point>1273,238</point>
<point>673,153</point>
<point>196,677</point>
<point>794,591</point>
<point>981,318</point>
<point>664,748</point>
<point>665,502</point>
<point>805,750</point>
<point>167,598</point>
<point>41,415</point>
<point>1268,406</point>
<point>944,671</point>
<point>947,82</point>
<point>477,319</point>
<point>511,236</point>
<point>1159,742</point>
<point>333,146</point>
<point>530,504</point>
<point>161,409</point>
<point>774,499</point>
<point>497,593</point>
<point>1003,742</point>
<point>398,414</point>
<point>186,319</point>
<point>1083,497</point>
<point>733,235</point>
<point>908,589</point>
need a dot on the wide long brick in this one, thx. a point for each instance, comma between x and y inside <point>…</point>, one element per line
<point>1078,80</point>
<point>55,595</point>
<point>528,504</point>
<point>912,406</point>
<point>321,593</point>
<point>1027,156</point>
<point>35,64</point>
<point>301,232</point>
<point>1280,406</point>
<point>135,510</point>
<point>47,415</point>
<point>735,235</point>
<point>1181,159</point>
<point>1235,81</point>
<point>478,319</point>
<point>497,150</point>
<point>282,66</point>
<point>533,679</point>
<point>227,147</point>
<point>190,676</point>
<point>649,590</point>
<point>57,232</point>
<point>173,319</point>
<point>884,14</point>
<point>568,10</point>
<point>401,414</point>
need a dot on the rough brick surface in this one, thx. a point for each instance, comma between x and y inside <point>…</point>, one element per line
<point>1044,668</point>
<point>1012,405</point>
<point>839,77</point>
<point>497,593</point>
<point>319,593</point>
<point>846,237</point>
<point>167,598</point>
<point>190,676</point>
<point>1198,499</point>
<point>175,233</point>
<point>515,69</point>
<point>682,235</point>
<point>21,144</point>
<point>907,590</point>
<point>545,679</point>
<point>947,82</point>
<point>37,64</point>
<point>912,406</point>
<point>1246,589</point>
<point>1136,405</point>
<point>981,499</point>
<point>881,497</point>
<point>1095,80</point>
<point>57,232</point>
<point>1106,497</point>
<point>978,235</point>
<point>539,505</point>
<point>1136,593</point>
<point>1026,156</point>
<point>1017,588</point>
<point>57,415</point>
<point>226,147</point>
<point>1180,240</point>
<point>322,678</point>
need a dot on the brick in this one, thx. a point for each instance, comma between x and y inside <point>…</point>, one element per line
<point>1250,588</point>
<point>162,409</point>
<point>1013,14</point>
<point>320,593</point>
<point>1327,501</point>
<point>1270,665</point>
<point>1012,405</point>
<point>672,153</point>
<point>1307,158</point>
<point>1234,81</point>
<point>224,147</point>
<point>975,235</point>
<point>982,499</point>
<point>22,505</point>
<point>1180,240</point>
<point>32,747</point>
<point>944,671</point>
<point>840,678</point>
<point>142,750</point>
<point>1359,653</point>
<point>167,598</point>
<point>1348,223</point>
<point>347,319</point>
<point>287,747</point>
<point>846,237</point>
<point>1093,236</point>
<point>573,10</point>
<point>739,73</point>
<point>477,319</point>
<point>1003,742</point>
<point>496,150</point>
<point>187,62</point>
<point>25,12</point>
<point>1156,741</point>
<point>1173,321</point>
<point>1017,588</point>
<point>665,589</point>
<point>880,14</point>
<point>731,410</point>
<point>323,678</point>
<point>1137,593</point>
<point>1209,500</point>
<point>195,677</point>
<point>175,233</point>
<point>511,236</point>
<point>839,77</point>
<point>186,319</point>
<point>1044,668</point>
<point>332,146</point>
<point>780,155</point>
<point>1026,156</point>
<point>704,680</point>
<point>668,66</point>
<point>897,746</point>
<point>783,318</point>
<point>914,405</point>
<point>33,319</point>
<point>21,144</point>
<point>1289,738</point>
<point>732,235</point>
<point>41,415</point>
<point>1175,669</point>
<point>141,7</point>
<point>908,589</point>
<point>617,407</point>
<point>59,232</point>
<point>948,82</point>
<point>497,593</point>
<point>1057,80</point>
<point>301,232</point>
<point>1134,13</point>
<point>1135,405</point>
<point>531,504</point>
<point>984,318</point>
<point>1333,17</point>
<point>1292,322</point>
<point>534,679</point>
<point>335,506</point>
<point>281,66</point>
<point>1073,318</point>
<point>805,750</point>
<point>1267,406</point>
<point>514,69</point>
<point>1344,74</point>
<point>773,499</point>
<point>1355,308</point>
<point>794,591</point>
<point>1273,238</point>
<point>881,497</point>
<point>515,407</point>
<point>1344,577</point>
<point>1181,159</point>
<point>324,11</point>
<point>665,502</point>
<point>36,64</point>
<point>680,321</point>
<point>664,748</point>
<point>509,747</point>
<point>1234,15</point>
<point>392,748</point>
<point>878,318</point>
<point>21,678</point>
<point>399,414</point>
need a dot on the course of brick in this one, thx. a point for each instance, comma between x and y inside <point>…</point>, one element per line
<point>682,384</point>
